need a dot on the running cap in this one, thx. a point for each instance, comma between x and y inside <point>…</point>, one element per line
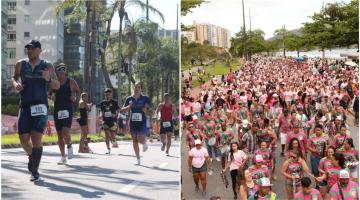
<point>61,67</point>
<point>259,158</point>
<point>264,182</point>
<point>197,141</point>
<point>33,44</point>
<point>344,174</point>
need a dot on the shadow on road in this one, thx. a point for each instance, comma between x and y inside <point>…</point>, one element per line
<point>160,169</point>
<point>9,190</point>
<point>68,189</point>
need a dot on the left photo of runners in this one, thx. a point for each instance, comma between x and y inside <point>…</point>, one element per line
<point>90,99</point>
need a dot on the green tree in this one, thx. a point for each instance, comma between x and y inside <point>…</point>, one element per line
<point>187,5</point>
<point>282,33</point>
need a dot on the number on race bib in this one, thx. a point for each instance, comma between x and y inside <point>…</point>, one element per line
<point>107,114</point>
<point>166,124</point>
<point>63,114</point>
<point>136,117</point>
<point>37,110</point>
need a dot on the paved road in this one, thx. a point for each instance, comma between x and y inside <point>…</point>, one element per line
<point>215,185</point>
<point>94,175</point>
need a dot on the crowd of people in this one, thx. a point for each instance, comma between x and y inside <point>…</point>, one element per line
<point>38,81</point>
<point>301,107</point>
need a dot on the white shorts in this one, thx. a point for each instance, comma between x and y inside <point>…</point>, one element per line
<point>283,137</point>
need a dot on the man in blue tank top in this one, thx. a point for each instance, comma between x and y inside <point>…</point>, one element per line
<point>64,98</point>
<point>36,76</point>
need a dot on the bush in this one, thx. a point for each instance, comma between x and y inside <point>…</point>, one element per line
<point>10,100</point>
<point>10,109</point>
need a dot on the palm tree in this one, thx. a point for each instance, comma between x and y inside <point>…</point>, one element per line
<point>283,33</point>
<point>122,5</point>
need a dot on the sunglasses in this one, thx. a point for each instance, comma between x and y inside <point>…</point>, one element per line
<point>191,127</point>
<point>293,157</point>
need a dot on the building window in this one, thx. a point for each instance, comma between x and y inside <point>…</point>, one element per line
<point>27,2</point>
<point>26,34</point>
<point>12,5</point>
<point>27,19</point>
<point>11,53</point>
<point>11,36</point>
<point>12,19</point>
<point>10,71</point>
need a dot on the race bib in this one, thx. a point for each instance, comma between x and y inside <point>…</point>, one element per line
<point>107,114</point>
<point>63,114</point>
<point>166,124</point>
<point>136,117</point>
<point>39,109</point>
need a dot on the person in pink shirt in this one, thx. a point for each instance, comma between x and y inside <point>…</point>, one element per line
<point>198,164</point>
<point>307,193</point>
<point>258,170</point>
<point>345,189</point>
<point>340,138</point>
<point>351,158</point>
<point>300,135</point>
<point>284,128</point>
<point>236,160</point>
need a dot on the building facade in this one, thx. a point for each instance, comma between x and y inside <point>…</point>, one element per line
<point>163,33</point>
<point>205,32</point>
<point>4,75</point>
<point>29,20</point>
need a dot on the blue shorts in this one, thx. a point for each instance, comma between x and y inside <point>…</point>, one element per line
<point>121,123</point>
<point>138,128</point>
<point>61,123</point>
<point>28,123</point>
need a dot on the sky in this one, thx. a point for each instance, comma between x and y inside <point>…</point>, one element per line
<point>267,15</point>
<point>166,7</point>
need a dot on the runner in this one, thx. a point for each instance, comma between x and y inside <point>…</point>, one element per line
<point>293,169</point>
<point>317,146</point>
<point>167,113</point>
<point>246,184</point>
<point>345,189</point>
<point>351,158</point>
<point>325,165</point>
<point>109,111</point>
<point>140,107</point>
<point>264,192</point>
<point>198,164</point>
<point>65,96</point>
<point>258,170</point>
<point>307,193</point>
<point>36,75</point>
<point>236,161</point>
<point>84,108</point>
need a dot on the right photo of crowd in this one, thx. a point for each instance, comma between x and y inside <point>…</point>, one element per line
<point>269,99</point>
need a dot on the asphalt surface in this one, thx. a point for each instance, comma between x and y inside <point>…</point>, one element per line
<point>94,175</point>
<point>215,186</point>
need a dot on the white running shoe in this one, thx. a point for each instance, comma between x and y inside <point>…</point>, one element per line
<point>108,152</point>
<point>137,162</point>
<point>36,179</point>
<point>70,153</point>
<point>145,147</point>
<point>115,144</point>
<point>62,161</point>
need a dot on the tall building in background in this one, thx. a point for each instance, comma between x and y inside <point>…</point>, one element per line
<point>4,75</point>
<point>214,35</point>
<point>29,20</point>
<point>163,33</point>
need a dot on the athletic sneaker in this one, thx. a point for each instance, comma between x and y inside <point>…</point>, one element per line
<point>218,159</point>
<point>108,152</point>
<point>137,162</point>
<point>35,178</point>
<point>115,144</point>
<point>145,147</point>
<point>70,152</point>
<point>167,153</point>
<point>163,147</point>
<point>62,161</point>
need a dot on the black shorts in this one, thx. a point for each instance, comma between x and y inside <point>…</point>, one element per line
<point>82,121</point>
<point>164,130</point>
<point>203,168</point>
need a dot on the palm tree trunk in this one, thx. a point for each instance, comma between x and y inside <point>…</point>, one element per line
<point>121,16</point>
<point>93,53</point>
<point>87,47</point>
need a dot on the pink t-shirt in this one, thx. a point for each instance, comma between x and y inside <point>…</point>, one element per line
<point>314,194</point>
<point>300,136</point>
<point>351,192</point>
<point>239,157</point>
<point>198,156</point>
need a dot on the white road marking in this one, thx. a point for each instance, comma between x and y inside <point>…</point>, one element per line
<point>130,186</point>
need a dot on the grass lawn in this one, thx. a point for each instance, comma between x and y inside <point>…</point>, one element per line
<point>217,68</point>
<point>13,139</point>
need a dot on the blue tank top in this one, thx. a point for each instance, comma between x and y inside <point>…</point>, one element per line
<point>35,87</point>
<point>138,104</point>
<point>62,97</point>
